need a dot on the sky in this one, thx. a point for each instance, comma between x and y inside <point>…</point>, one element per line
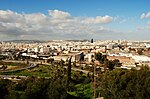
<point>74,19</point>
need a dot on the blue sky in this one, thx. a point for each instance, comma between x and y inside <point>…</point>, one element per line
<point>79,7</point>
<point>123,19</point>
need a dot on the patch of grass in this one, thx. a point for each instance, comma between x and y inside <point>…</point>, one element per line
<point>41,71</point>
<point>13,64</point>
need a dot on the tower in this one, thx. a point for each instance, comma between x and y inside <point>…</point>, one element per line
<point>91,40</point>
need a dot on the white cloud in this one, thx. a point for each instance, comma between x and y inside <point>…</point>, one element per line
<point>36,18</point>
<point>59,14</point>
<point>145,28</point>
<point>98,20</point>
<point>9,16</point>
<point>145,15</point>
<point>57,24</point>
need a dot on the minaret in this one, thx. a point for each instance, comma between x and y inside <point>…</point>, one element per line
<point>91,40</point>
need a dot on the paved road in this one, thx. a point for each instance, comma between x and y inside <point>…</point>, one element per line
<point>16,61</point>
<point>11,76</point>
<point>20,69</point>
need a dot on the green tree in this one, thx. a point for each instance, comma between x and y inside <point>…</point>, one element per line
<point>101,58</point>
<point>117,63</point>
<point>57,89</point>
<point>140,51</point>
<point>82,91</point>
<point>62,63</point>
<point>50,60</point>
<point>125,84</point>
<point>4,88</point>
<point>69,71</point>
<point>109,64</point>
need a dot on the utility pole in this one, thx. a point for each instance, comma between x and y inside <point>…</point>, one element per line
<point>94,83</point>
<point>94,78</point>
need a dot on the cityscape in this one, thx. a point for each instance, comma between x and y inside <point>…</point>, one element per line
<point>73,52</point>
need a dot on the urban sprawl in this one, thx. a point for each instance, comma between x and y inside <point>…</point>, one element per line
<point>132,54</point>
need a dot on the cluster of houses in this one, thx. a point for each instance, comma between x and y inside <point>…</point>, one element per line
<point>80,51</point>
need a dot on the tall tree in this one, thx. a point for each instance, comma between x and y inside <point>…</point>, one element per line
<point>69,71</point>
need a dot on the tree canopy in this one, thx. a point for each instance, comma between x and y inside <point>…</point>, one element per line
<point>125,84</point>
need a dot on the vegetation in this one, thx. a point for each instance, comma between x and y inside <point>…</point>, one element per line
<point>40,71</point>
<point>140,51</point>
<point>83,91</point>
<point>125,84</point>
<point>34,88</point>
<point>115,84</point>
<point>12,64</point>
<point>69,72</point>
<point>55,87</point>
<point>110,64</point>
<point>59,81</point>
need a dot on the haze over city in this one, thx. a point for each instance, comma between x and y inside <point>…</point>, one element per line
<point>74,19</point>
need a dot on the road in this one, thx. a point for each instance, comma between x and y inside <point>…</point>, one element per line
<point>20,69</point>
<point>12,77</point>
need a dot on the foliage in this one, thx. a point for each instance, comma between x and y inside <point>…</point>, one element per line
<point>101,58</point>
<point>82,91</point>
<point>110,64</point>
<point>41,71</point>
<point>4,88</point>
<point>34,88</point>
<point>50,60</point>
<point>55,82</point>
<point>12,63</point>
<point>57,89</point>
<point>52,85</point>
<point>125,84</point>
<point>140,51</point>
<point>69,71</point>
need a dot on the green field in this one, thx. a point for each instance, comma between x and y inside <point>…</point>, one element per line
<point>40,71</point>
<point>13,64</point>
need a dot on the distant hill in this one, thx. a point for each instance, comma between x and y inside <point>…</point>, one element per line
<point>25,41</point>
